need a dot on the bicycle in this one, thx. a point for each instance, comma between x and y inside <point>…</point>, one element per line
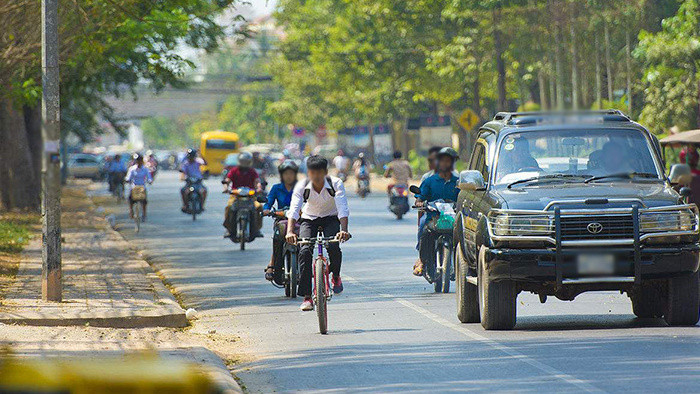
<point>321,270</point>
<point>291,264</point>
<point>138,196</point>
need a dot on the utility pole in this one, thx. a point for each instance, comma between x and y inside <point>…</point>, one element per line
<point>51,286</point>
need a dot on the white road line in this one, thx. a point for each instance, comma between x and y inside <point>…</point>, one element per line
<point>553,372</point>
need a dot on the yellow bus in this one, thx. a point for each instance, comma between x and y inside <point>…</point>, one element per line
<point>214,147</point>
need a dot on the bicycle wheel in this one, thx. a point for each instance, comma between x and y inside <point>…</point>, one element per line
<point>293,274</point>
<point>137,216</point>
<point>320,288</point>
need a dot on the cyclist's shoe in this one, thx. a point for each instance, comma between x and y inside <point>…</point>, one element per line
<point>418,268</point>
<point>307,305</point>
<point>337,284</point>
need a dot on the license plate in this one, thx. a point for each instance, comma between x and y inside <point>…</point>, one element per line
<point>596,264</point>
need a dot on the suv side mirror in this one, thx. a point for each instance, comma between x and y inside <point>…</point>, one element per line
<point>680,174</point>
<point>471,180</point>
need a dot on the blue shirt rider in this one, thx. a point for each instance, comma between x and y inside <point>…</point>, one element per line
<point>440,186</point>
<point>280,195</point>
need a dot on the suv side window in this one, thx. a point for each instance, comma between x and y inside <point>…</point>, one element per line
<point>479,156</point>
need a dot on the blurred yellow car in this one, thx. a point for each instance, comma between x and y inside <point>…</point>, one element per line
<point>214,147</point>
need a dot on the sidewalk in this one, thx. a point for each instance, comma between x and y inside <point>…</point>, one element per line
<point>104,283</point>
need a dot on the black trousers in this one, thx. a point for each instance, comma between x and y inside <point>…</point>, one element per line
<point>307,229</point>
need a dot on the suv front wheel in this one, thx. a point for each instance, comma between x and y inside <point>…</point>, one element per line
<point>467,295</point>
<point>497,299</point>
<point>683,300</point>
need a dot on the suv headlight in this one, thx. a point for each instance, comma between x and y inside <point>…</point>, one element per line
<point>521,224</point>
<point>666,221</point>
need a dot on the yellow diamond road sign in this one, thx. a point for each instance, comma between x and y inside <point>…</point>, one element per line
<point>468,119</point>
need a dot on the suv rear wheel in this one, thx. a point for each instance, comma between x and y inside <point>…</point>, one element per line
<point>467,294</point>
<point>497,299</point>
<point>683,300</point>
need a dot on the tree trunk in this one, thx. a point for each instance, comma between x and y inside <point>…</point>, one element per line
<point>559,68</point>
<point>552,91</point>
<point>697,116</point>
<point>608,62</point>
<point>32,122</point>
<point>598,75</point>
<point>628,61</point>
<point>24,187</point>
<point>574,69</point>
<point>543,94</point>
<point>500,64</point>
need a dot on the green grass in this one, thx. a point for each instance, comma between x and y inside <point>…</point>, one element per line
<point>15,231</point>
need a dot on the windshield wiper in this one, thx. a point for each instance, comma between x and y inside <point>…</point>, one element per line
<point>544,177</point>
<point>629,175</point>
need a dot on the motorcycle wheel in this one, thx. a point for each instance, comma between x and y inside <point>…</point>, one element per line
<point>437,272</point>
<point>446,268</point>
<point>241,233</point>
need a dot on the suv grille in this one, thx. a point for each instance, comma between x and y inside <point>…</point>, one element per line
<point>611,227</point>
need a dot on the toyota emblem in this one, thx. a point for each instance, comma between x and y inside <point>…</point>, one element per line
<point>594,228</point>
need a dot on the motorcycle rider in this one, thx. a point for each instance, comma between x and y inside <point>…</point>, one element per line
<point>341,163</point>
<point>442,185</point>
<point>191,169</point>
<point>319,201</point>
<point>399,170</point>
<point>151,163</point>
<point>138,175</point>
<point>243,175</point>
<point>281,195</point>
<point>432,163</point>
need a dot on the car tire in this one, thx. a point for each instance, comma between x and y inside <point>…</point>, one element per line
<point>497,299</point>
<point>683,300</point>
<point>648,302</point>
<point>467,293</point>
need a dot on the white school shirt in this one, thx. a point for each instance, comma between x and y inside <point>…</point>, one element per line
<point>320,204</point>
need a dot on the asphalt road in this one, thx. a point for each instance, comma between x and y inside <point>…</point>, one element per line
<point>388,331</point>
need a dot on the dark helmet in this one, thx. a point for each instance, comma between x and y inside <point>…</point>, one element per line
<point>397,154</point>
<point>137,157</point>
<point>288,165</point>
<point>191,153</point>
<point>245,159</point>
<point>448,152</point>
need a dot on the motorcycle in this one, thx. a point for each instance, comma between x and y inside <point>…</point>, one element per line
<point>398,201</point>
<point>363,186</point>
<point>291,265</point>
<point>441,226</point>
<point>241,216</point>
<point>194,197</point>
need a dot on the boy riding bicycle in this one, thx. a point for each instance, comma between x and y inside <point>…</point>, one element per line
<point>319,201</point>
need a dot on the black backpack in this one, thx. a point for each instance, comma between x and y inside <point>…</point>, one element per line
<point>331,189</point>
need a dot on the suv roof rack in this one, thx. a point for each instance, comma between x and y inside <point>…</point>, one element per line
<point>533,117</point>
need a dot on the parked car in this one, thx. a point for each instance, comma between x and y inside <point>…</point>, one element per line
<point>83,165</point>
<point>560,205</point>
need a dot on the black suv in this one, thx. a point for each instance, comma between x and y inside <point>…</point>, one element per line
<point>561,204</point>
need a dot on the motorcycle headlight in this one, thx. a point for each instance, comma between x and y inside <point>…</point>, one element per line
<point>665,221</point>
<point>524,225</point>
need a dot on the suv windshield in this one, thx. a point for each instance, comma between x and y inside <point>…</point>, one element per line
<point>567,154</point>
